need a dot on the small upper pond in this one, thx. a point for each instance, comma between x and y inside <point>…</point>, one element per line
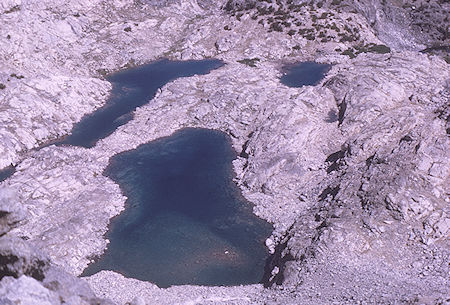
<point>132,88</point>
<point>185,221</point>
<point>303,74</point>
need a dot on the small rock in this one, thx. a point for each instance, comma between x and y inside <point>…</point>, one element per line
<point>138,301</point>
<point>270,244</point>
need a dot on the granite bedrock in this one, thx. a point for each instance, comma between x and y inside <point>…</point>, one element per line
<point>353,172</point>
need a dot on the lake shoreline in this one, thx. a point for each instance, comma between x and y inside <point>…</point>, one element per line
<point>347,198</point>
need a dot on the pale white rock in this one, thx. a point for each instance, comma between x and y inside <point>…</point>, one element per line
<point>270,245</point>
<point>26,290</point>
<point>329,218</point>
<point>105,282</point>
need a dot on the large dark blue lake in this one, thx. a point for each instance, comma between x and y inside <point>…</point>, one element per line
<point>185,220</point>
<point>303,74</point>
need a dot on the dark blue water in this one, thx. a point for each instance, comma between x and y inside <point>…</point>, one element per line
<point>185,221</point>
<point>7,172</point>
<point>304,74</point>
<point>132,88</point>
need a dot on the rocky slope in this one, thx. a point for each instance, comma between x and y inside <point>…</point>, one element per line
<point>353,172</point>
<point>403,24</point>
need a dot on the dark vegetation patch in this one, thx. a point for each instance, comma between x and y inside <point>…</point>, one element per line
<point>292,18</point>
<point>251,62</point>
<point>2,86</point>
<point>368,48</point>
<point>336,160</point>
<point>103,72</point>
<point>406,139</point>
<point>436,48</point>
<point>18,76</point>
<point>5,261</point>
<point>15,8</point>
<point>329,192</point>
<point>15,266</point>
<point>439,50</point>
<point>431,20</point>
<point>444,114</point>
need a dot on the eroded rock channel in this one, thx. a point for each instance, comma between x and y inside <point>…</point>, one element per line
<point>185,221</point>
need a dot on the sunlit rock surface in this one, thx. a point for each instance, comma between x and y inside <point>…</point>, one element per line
<point>353,172</point>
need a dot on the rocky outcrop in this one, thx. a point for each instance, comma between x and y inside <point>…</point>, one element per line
<point>352,172</point>
<point>69,213</point>
<point>11,211</point>
<point>53,62</point>
<point>26,274</point>
<point>411,25</point>
<point>408,24</point>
